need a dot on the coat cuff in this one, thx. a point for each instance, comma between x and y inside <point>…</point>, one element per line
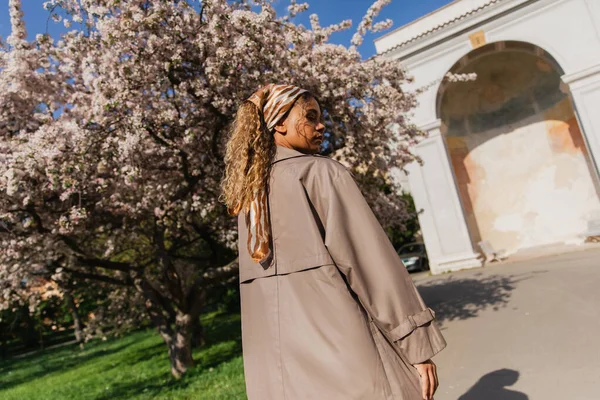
<point>418,338</point>
<point>412,322</point>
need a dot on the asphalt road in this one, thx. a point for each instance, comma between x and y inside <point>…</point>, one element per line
<point>522,330</point>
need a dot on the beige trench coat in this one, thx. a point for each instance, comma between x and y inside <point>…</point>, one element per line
<point>334,314</point>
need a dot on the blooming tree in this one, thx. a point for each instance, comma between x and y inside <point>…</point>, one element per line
<point>112,141</point>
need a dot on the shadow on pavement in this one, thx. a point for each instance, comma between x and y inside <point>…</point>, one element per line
<point>492,386</point>
<point>454,298</point>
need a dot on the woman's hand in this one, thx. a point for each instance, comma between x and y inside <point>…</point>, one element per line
<point>429,379</point>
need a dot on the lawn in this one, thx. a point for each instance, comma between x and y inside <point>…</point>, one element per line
<point>133,367</point>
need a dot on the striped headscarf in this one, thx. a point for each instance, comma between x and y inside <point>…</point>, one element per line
<point>273,101</point>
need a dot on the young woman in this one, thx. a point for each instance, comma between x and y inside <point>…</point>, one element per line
<point>328,310</point>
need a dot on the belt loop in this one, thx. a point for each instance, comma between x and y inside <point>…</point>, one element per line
<point>431,312</point>
<point>413,325</point>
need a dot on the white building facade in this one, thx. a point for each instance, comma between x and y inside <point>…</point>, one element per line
<point>512,157</point>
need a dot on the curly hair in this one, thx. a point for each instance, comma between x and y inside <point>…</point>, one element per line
<point>249,152</point>
<point>248,156</point>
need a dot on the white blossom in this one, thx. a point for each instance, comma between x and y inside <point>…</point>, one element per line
<point>112,138</point>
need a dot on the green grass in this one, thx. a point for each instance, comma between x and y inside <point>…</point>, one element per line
<point>134,367</point>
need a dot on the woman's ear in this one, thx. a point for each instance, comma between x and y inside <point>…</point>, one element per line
<point>281,127</point>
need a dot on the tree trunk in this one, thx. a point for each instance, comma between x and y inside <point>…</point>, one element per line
<point>100,317</point>
<point>198,334</point>
<point>180,345</point>
<point>174,326</point>
<point>77,324</point>
<point>29,333</point>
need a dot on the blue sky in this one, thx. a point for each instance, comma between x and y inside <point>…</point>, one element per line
<point>330,12</point>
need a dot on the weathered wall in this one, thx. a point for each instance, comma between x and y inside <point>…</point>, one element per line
<point>567,30</point>
<point>528,185</point>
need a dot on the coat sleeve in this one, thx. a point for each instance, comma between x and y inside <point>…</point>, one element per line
<point>364,254</point>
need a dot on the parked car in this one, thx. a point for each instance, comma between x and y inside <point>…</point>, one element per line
<point>414,257</point>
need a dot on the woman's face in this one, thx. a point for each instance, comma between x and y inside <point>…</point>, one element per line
<point>303,128</point>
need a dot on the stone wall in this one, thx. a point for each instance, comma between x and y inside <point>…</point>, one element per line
<point>527,180</point>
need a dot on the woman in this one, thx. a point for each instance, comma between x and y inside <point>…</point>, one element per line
<point>328,310</point>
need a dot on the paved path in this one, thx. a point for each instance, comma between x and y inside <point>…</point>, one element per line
<point>523,330</point>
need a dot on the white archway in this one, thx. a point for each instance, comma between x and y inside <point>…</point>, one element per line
<point>521,166</point>
<point>432,45</point>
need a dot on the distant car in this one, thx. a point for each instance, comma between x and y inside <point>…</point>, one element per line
<point>414,257</point>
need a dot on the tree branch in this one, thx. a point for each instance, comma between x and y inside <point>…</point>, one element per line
<point>106,264</point>
<point>102,278</point>
<point>217,274</point>
<point>158,298</point>
<point>206,235</point>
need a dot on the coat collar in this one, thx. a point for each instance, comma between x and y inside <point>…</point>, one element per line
<point>283,152</point>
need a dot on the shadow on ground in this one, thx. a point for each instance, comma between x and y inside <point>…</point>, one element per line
<point>456,298</point>
<point>223,343</point>
<point>492,386</point>
<point>143,357</point>
<point>51,361</point>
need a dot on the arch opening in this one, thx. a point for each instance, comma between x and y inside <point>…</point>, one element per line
<point>523,172</point>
